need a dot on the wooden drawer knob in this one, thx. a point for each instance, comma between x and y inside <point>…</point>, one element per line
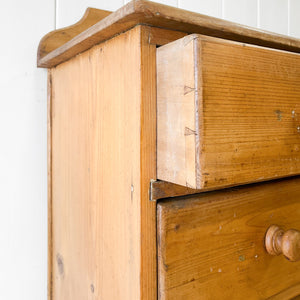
<point>278,241</point>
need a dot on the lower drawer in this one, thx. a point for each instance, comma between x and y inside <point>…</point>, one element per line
<point>212,245</point>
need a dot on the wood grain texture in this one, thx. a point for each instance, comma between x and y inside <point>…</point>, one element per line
<point>148,274</point>
<point>211,246</point>
<point>231,115</point>
<point>103,222</point>
<point>177,122</point>
<point>59,37</point>
<point>102,239</point>
<point>150,38</point>
<point>159,15</point>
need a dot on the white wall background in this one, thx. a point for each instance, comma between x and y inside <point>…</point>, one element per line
<point>23,129</point>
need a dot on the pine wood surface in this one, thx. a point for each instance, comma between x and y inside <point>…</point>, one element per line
<point>211,246</point>
<point>96,172</point>
<point>228,113</point>
<point>158,15</point>
<point>98,183</point>
<point>101,158</point>
<point>148,274</point>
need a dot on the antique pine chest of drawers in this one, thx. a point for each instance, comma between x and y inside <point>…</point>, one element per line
<point>173,158</point>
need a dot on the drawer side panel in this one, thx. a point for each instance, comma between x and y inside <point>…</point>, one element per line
<point>176,113</point>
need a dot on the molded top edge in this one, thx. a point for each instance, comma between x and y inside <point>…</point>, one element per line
<point>98,25</point>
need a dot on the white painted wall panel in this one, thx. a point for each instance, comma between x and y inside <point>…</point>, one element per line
<point>23,159</point>
<point>294,18</point>
<point>210,8</point>
<point>273,15</point>
<point>166,2</point>
<point>241,11</point>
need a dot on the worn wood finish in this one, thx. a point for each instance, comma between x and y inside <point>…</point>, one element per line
<point>211,246</point>
<point>228,113</point>
<point>96,231</point>
<point>59,37</point>
<point>103,154</point>
<point>178,147</point>
<point>159,15</point>
<point>148,274</point>
<point>79,106</point>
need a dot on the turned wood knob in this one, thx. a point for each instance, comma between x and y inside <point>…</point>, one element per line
<point>278,241</point>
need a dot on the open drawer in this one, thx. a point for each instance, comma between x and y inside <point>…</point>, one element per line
<point>212,245</point>
<point>228,113</point>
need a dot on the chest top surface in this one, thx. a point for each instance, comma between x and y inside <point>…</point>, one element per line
<point>98,25</point>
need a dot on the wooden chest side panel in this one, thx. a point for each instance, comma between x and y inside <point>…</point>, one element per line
<point>96,180</point>
<point>246,113</point>
<point>211,246</point>
<point>101,159</point>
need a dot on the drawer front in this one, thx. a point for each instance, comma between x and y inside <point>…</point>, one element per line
<point>228,113</point>
<point>212,245</point>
